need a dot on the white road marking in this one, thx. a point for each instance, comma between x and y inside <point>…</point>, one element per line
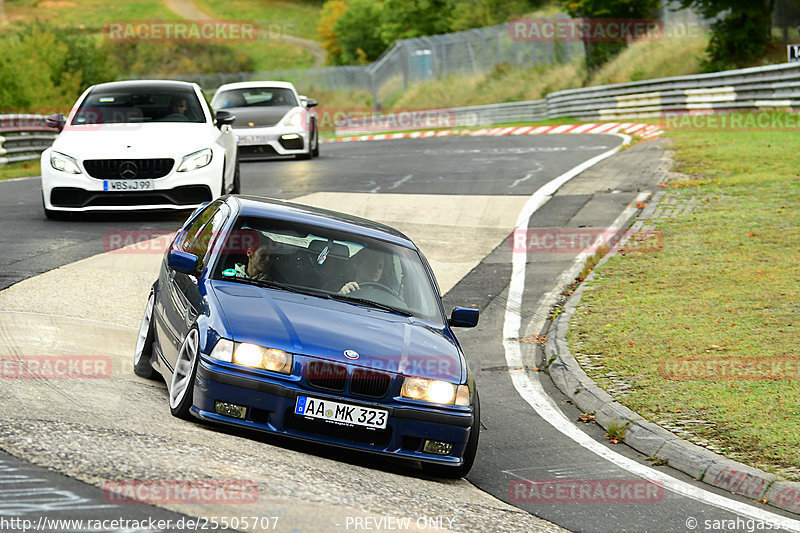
<point>532,392</point>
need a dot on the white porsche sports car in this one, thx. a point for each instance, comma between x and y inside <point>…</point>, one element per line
<point>271,119</point>
<point>134,145</point>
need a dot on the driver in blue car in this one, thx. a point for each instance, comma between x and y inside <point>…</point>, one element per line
<point>369,268</point>
<point>259,261</point>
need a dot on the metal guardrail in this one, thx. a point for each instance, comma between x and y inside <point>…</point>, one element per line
<point>768,87</point>
<point>23,137</point>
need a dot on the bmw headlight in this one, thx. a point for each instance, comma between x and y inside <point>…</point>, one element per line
<point>293,118</point>
<point>253,356</point>
<point>435,391</point>
<point>195,160</point>
<point>64,163</point>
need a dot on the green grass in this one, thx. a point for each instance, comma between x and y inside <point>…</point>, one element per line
<point>725,285</point>
<point>87,13</point>
<point>298,18</point>
<point>23,169</point>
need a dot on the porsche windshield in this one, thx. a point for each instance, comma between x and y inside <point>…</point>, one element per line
<point>255,97</point>
<point>138,103</point>
<point>329,263</point>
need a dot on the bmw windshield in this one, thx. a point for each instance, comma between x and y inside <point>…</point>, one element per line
<point>330,264</point>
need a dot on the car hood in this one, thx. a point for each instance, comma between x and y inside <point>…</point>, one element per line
<point>322,328</point>
<point>118,141</point>
<point>258,116</point>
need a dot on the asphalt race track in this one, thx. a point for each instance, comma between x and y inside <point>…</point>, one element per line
<point>459,199</point>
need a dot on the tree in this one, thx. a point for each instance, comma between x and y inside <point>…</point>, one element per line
<point>404,19</point>
<point>741,33</point>
<point>331,11</point>
<point>599,52</point>
<point>357,32</point>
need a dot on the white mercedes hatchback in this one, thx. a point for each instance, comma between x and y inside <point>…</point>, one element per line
<point>139,145</point>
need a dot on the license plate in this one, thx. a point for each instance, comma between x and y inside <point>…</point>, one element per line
<point>341,413</point>
<point>253,139</point>
<point>128,185</point>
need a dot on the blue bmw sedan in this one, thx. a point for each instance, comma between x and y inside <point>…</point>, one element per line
<point>312,324</point>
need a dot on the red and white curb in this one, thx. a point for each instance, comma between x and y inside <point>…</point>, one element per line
<point>644,131</point>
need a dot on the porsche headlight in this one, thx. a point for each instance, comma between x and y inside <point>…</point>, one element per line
<point>255,356</point>
<point>195,160</point>
<point>64,163</point>
<point>293,118</point>
<point>435,391</point>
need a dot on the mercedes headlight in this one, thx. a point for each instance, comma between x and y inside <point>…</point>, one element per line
<point>195,160</point>
<point>435,391</point>
<point>64,163</point>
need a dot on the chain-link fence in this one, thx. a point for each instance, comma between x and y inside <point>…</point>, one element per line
<point>470,52</point>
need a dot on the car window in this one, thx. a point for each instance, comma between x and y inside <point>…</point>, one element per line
<point>255,97</point>
<point>137,104</point>
<point>201,234</point>
<point>324,262</point>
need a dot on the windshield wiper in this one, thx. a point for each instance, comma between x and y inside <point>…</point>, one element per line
<point>370,303</point>
<point>269,284</point>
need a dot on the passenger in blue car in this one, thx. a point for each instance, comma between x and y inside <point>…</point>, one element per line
<point>259,261</point>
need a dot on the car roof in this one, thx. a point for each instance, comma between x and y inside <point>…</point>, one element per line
<point>247,84</point>
<point>304,214</point>
<point>142,84</point>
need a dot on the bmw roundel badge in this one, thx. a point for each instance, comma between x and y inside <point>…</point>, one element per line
<point>351,354</point>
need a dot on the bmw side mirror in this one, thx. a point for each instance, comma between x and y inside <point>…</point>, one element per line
<point>463,317</point>
<point>182,261</point>
<point>310,102</point>
<point>56,121</point>
<point>224,118</point>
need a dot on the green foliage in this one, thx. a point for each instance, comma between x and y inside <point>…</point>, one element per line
<point>170,57</point>
<point>357,32</point>
<point>42,69</point>
<point>478,13</point>
<point>599,53</point>
<point>403,19</point>
<point>740,36</point>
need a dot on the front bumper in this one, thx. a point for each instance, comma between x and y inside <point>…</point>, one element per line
<point>66,192</point>
<point>255,143</point>
<point>271,401</point>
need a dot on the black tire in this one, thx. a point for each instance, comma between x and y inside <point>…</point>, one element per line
<point>457,472</point>
<point>181,388</point>
<point>143,353</point>
<point>237,187</point>
<point>315,150</point>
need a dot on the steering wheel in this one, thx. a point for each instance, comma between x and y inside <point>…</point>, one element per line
<point>381,286</point>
